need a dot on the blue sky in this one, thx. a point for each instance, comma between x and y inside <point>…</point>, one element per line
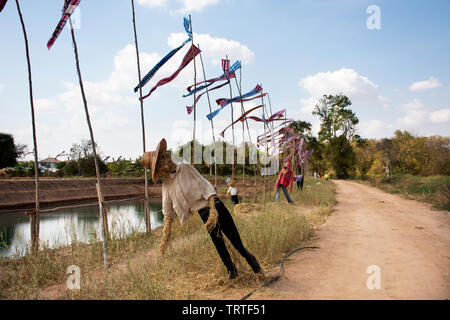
<point>398,77</point>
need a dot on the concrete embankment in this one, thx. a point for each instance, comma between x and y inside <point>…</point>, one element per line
<point>17,194</point>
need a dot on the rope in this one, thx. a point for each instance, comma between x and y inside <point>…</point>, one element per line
<point>277,276</point>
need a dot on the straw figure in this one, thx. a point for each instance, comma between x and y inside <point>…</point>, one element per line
<point>184,191</point>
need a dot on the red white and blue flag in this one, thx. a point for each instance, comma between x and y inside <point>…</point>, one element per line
<point>68,9</point>
<point>190,55</point>
<point>2,4</point>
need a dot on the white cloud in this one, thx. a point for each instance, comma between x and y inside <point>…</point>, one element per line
<point>418,116</point>
<point>46,105</point>
<point>425,85</point>
<point>375,129</point>
<point>347,81</point>
<point>153,3</point>
<point>195,5</point>
<point>187,6</point>
<point>1,88</point>
<point>440,116</point>
<point>215,48</point>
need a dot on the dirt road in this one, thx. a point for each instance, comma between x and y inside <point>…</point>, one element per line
<point>409,242</point>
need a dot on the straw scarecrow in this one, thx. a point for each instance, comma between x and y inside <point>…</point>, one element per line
<point>184,191</point>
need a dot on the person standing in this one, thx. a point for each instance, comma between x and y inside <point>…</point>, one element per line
<point>299,180</point>
<point>232,191</point>
<point>285,179</point>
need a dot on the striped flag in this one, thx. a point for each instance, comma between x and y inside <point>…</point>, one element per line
<point>191,108</point>
<point>152,72</point>
<point>236,66</point>
<point>190,55</point>
<point>226,67</point>
<point>2,4</point>
<point>224,102</point>
<point>69,7</point>
<point>187,27</point>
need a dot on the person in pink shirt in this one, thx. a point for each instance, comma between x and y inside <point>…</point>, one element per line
<point>285,179</point>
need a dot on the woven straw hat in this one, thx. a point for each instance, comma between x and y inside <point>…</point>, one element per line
<point>150,159</point>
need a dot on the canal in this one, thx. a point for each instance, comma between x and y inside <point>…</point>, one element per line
<point>64,226</point>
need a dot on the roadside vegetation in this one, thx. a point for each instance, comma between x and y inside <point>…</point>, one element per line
<point>191,267</point>
<point>432,189</point>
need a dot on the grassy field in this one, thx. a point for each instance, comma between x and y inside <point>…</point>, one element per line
<point>433,189</point>
<point>191,268</point>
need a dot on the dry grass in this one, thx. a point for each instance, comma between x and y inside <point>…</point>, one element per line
<point>191,268</point>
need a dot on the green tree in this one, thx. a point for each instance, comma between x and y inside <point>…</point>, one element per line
<point>9,151</point>
<point>337,132</point>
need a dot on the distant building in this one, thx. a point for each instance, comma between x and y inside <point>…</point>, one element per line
<point>48,164</point>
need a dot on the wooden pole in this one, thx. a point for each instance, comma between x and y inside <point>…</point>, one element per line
<point>102,208</point>
<point>232,125</point>
<point>195,87</point>
<point>265,134</point>
<point>212,121</point>
<point>34,219</point>
<point>146,204</point>
<point>250,139</point>
<point>243,127</point>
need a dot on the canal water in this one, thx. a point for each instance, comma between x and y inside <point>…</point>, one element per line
<point>81,224</point>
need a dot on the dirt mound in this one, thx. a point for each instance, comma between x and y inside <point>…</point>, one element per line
<point>20,194</point>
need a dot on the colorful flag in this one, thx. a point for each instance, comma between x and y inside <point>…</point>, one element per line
<point>190,55</point>
<point>68,8</point>
<point>224,102</point>
<point>152,72</point>
<point>236,66</point>
<point>191,108</point>
<point>241,118</point>
<point>2,4</point>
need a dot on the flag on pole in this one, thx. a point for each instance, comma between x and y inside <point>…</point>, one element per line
<point>236,66</point>
<point>68,9</point>
<point>190,55</point>
<point>191,108</point>
<point>2,4</point>
<point>224,102</point>
<point>152,72</point>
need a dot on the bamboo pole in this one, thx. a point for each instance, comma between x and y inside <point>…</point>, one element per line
<point>102,208</point>
<point>250,139</point>
<point>212,121</point>
<point>146,205</point>
<point>34,218</point>
<point>243,127</point>
<point>232,125</point>
<point>195,87</point>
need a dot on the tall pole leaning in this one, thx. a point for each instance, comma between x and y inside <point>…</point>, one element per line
<point>195,93</point>
<point>232,125</point>
<point>146,205</point>
<point>34,218</point>
<point>212,121</point>
<point>101,201</point>
<point>251,144</point>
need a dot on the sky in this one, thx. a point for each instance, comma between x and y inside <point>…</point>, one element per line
<point>393,62</point>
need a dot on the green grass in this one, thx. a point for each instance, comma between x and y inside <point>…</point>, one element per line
<point>433,189</point>
<point>191,267</point>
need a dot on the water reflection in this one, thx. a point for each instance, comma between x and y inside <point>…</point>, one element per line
<point>81,224</point>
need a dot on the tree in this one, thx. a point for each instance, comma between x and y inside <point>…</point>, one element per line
<point>9,151</point>
<point>337,132</point>
<point>337,119</point>
<point>82,150</point>
<point>302,127</point>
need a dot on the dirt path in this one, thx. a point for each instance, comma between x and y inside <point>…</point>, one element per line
<point>409,242</point>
